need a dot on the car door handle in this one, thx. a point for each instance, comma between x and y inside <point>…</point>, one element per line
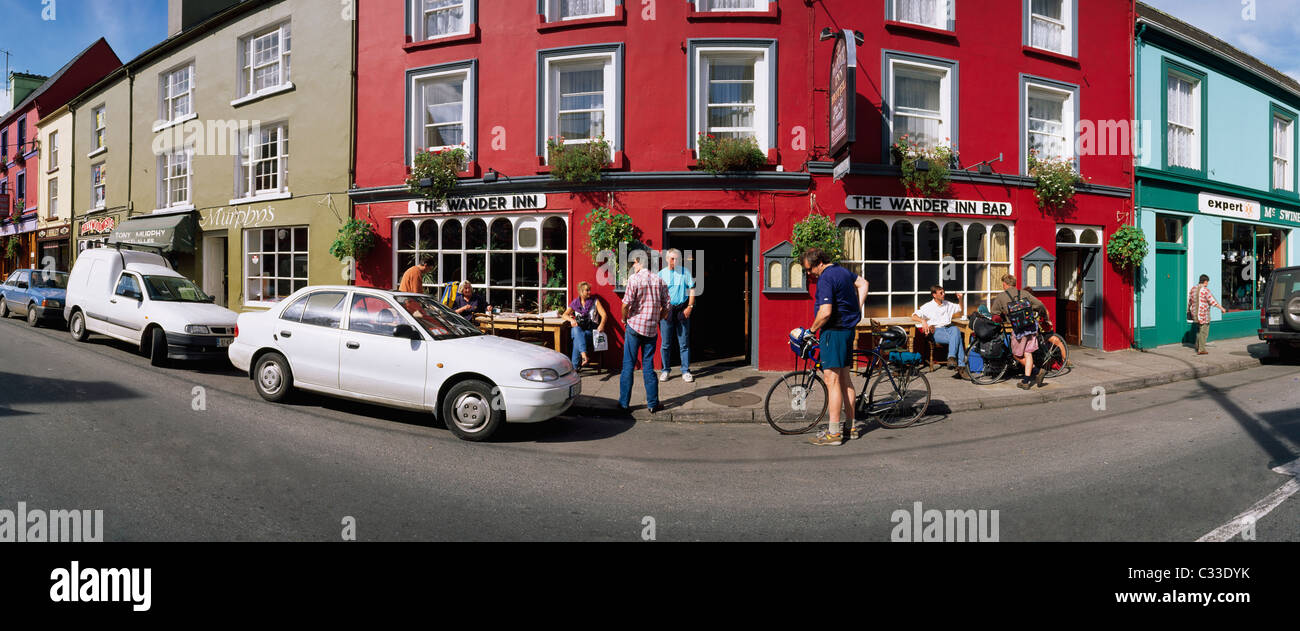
<point>113,301</point>
<point>285,334</point>
<point>354,345</point>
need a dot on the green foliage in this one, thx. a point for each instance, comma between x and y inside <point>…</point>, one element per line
<point>579,162</point>
<point>19,206</point>
<point>1055,178</point>
<point>607,229</point>
<point>441,168</point>
<point>933,181</point>
<point>355,239</point>
<point>11,248</point>
<point>1127,247</point>
<point>817,231</point>
<point>719,155</point>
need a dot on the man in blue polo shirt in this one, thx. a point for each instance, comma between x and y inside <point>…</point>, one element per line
<point>840,295</point>
<point>677,326</point>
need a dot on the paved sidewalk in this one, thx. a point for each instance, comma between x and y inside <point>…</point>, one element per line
<point>728,394</point>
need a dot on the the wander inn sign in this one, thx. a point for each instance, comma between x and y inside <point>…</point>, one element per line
<point>868,203</point>
<point>523,201</point>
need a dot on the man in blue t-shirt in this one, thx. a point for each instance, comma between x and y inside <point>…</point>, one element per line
<point>840,295</point>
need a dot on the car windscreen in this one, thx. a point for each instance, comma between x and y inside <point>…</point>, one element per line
<point>440,322</point>
<point>50,280</point>
<point>1284,284</point>
<point>174,289</point>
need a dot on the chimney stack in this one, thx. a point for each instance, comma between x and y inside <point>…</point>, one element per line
<point>183,14</point>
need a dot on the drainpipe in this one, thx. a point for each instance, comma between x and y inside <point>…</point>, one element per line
<point>1137,191</point>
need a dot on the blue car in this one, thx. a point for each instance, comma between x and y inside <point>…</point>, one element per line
<point>36,294</point>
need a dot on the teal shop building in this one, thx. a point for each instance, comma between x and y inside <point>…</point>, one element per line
<point>1215,178</point>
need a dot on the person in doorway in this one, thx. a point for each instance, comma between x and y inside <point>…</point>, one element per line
<point>645,302</point>
<point>1011,307</point>
<point>677,326</point>
<point>586,316</point>
<point>840,296</point>
<point>1199,301</point>
<point>935,320</point>
<point>413,279</point>
<point>469,303</point>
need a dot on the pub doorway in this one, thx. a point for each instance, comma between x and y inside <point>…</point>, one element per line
<point>721,250</point>
<point>1078,285</point>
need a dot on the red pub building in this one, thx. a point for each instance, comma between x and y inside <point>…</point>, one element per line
<point>651,76</point>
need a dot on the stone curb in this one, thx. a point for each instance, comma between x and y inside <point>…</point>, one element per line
<point>991,402</point>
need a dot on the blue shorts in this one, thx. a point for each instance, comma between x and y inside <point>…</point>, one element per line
<point>836,348</point>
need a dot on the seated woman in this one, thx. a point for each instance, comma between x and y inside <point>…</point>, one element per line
<point>587,314</point>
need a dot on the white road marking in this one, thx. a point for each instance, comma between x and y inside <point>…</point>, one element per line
<point>1261,508</point>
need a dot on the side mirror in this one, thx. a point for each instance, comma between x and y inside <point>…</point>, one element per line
<point>408,332</point>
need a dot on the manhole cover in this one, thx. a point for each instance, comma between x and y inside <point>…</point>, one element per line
<point>735,399</point>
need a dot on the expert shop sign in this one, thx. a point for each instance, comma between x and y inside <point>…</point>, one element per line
<point>859,203</point>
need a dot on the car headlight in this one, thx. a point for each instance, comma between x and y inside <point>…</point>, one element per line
<point>539,374</point>
<point>195,329</point>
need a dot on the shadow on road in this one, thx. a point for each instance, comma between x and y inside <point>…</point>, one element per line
<point>19,389</point>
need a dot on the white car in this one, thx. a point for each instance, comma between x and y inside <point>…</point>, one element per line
<point>137,297</point>
<point>404,351</point>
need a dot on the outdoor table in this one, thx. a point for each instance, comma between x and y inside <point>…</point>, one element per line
<point>510,322</point>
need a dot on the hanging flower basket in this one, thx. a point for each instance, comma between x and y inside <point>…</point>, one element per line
<point>926,170</point>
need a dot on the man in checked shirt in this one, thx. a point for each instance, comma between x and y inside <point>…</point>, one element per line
<point>645,303</point>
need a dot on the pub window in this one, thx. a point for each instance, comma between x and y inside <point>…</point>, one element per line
<point>732,91</point>
<point>275,263</point>
<point>442,109</point>
<point>932,13</point>
<point>1049,119</point>
<point>518,262</point>
<point>431,19</point>
<point>1051,25</point>
<point>921,93</point>
<point>901,258</point>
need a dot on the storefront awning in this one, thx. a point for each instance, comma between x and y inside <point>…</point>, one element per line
<point>167,234</point>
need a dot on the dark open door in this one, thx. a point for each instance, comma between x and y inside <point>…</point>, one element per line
<point>1090,319</point>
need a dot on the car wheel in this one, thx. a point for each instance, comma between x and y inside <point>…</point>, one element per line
<point>32,318</point>
<point>468,411</point>
<point>4,308</point>
<point>158,348</point>
<point>1291,311</point>
<point>77,326</point>
<point>272,377</point>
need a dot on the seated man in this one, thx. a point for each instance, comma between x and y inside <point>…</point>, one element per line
<point>935,319</point>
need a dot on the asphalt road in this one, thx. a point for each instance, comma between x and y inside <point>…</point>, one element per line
<point>93,426</point>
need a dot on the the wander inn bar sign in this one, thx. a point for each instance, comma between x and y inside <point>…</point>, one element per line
<point>861,203</point>
<point>523,201</point>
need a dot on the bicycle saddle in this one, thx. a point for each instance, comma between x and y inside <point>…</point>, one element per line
<point>893,337</point>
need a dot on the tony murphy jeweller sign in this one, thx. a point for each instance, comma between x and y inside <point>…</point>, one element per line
<point>870,203</point>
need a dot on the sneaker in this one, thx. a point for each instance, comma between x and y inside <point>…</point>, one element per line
<point>858,430</point>
<point>1038,380</point>
<point>663,376</point>
<point>827,440</point>
<point>963,373</point>
<point>1025,385</point>
<point>688,377</point>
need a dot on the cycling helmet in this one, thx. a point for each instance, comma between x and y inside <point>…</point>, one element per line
<point>893,337</point>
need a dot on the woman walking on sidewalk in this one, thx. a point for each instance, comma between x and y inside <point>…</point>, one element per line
<point>1199,301</point>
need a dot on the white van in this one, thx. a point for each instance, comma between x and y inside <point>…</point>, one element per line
<point>136,297</point>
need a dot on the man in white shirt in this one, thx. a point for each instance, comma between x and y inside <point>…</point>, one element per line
<point>935,318</point>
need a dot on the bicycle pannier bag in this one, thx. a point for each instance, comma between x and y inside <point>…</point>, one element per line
<point>985,328</point>
<point>1020,313</point>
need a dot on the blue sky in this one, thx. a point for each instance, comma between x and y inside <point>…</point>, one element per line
<point>1273,35</point>
<point>42,47</point>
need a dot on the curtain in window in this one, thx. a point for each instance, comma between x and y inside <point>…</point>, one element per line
<point>918,11</point>
<point>575,8</point>
<point>444,109</point>
<point>851,232</point>
<point>918,109</point>
<point>1282,154</point>
<point>731,4</point>
<point>582,103</point>
<point>1047,28</point>
<point>1183,149</point>
<point>1047,126</point>
<point>731,98</point>
<point>443,17</point>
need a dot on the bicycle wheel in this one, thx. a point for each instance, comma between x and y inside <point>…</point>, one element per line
<point>796,403</point>
<point>1055,356</point>
<point>899,398</point>
<point>991,371</point>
